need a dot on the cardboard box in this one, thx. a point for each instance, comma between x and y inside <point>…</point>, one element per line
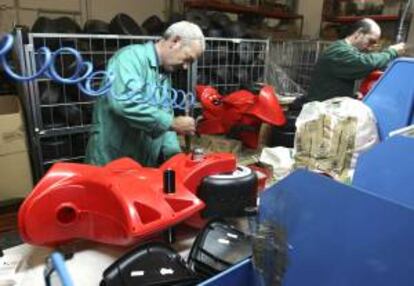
<point>15,170</point>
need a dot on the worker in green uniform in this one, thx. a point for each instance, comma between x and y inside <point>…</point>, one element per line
<point>348,60</point>
<point>132,120</point>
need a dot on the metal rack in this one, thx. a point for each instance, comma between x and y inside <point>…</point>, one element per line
<point>231,64</point>
<point>60,116</point>
<point>296,60</point>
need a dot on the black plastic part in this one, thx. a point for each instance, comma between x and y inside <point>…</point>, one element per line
<point>174,18</point>
<point>93,26</point>
<point>149,264</point>
<point>284,135</point>
<point>219,20</point>
<point>67,25</point>
<point>215,33</point>
<point>243,77</point>
<point>217,247</point>
<point>169,235</point>
<point>282,138</point>
<point>153,25</point>
<point>43,25</point>
<point>250,19</point>
<point>245,51</point>
<point>122,24</point>
<point>236,30</point>
<point>227,197</point>
<point>72,114</point>
<point>50,94</point>
<point>169,181</point>
<point>199,18</point>
<point>54,148</point>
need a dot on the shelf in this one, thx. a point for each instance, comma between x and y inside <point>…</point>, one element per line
<point>239,9</point>
<point>350,19</point>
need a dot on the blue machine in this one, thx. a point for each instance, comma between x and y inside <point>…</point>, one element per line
<point>392,97</point>
<point>344,235</point>
<point>338,235</point>
<point>386,170</point>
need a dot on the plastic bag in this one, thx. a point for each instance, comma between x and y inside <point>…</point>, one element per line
<point>330,135</point>
<point>281,160</point>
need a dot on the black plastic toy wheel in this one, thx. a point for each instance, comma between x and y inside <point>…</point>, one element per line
<point>227,195</point>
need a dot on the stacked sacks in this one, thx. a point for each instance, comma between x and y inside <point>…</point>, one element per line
<point>332,134</point>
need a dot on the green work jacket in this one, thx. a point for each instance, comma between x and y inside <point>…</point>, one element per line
<point>132,120</point>
<point>339,66</point>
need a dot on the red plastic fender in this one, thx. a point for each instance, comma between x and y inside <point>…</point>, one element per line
<point>369,82</point>
<point>267,107</point>
<point>120,203</point>
<point>212,103</point>
<point>241,110</point>
<point>192,174</point>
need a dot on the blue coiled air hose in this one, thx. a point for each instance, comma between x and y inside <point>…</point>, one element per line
<point>83,71</point>
<point>84,76</point>
<point>6,45</point>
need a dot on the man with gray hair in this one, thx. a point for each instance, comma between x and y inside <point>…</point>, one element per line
<point>348,60</point>
<point>130,120</point>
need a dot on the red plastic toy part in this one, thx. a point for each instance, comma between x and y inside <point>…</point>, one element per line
<point>240,113</point>
<point>369,82</point>
<point>119,204</point>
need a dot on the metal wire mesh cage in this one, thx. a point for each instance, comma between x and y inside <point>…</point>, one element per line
<point>291,63</point>
<point>231,64</point>
<point>61,113</point>
<point>62,105</point>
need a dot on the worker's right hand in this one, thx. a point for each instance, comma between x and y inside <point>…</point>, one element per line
<point>400,48</point>
<point>184,125</point>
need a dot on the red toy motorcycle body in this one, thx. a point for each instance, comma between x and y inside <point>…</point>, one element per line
<point>120,203</point>
<point>240,113</point>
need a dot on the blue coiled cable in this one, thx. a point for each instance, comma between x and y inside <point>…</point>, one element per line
<point>84,77</point>
<point>108,78</point>
<point>7,44</point>
<point>80,66</point>
<point>83,71</point>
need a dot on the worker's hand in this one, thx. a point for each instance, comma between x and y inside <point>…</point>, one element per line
<point>184,125</point>
<point>400,48</point>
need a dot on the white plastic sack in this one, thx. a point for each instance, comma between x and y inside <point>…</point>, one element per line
<point>330,135</point>
<point>281,160</point>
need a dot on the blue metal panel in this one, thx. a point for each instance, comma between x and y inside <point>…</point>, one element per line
<point>392,97</point>
<point>241,274</point>
<point>387,170</point>
<point>340,235</point>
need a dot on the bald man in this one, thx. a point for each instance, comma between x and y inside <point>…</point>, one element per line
<point>348,60</point>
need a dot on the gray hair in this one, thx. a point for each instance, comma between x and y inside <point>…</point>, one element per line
<point>187,31</point>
